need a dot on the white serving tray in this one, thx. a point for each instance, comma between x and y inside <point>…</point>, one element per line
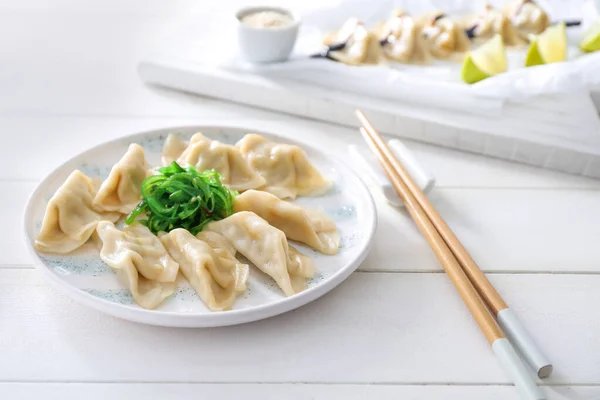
<point>551,130</point>
<point>556,133</point>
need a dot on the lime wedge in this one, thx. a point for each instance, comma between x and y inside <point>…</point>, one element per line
<point>548,47</point>
<point>591,39</point>
<point>487,60</point>
<point>533,56</point>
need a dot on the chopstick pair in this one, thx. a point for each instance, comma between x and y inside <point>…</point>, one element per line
<point>476,291</point>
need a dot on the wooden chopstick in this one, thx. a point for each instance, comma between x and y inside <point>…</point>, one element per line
<point>506,317</point>
<point>465,288</point>
<point>482,315</point>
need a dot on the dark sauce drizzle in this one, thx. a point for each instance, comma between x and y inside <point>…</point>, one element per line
<point>471,31</point>
<point>438,17</point>
<point>326,53</point>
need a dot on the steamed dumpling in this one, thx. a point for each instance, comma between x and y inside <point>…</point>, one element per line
<point>206,154</point>
<point>135,244</point>
<point>267,248</point>
<point>222,247</point>
<point>173,148</point>
<point>310,227</point>
<point>217,280</point>
<point>122,190</point>
<point>219,243</point>
<point>125,254</point>
<point>528,17</point>
<point>284,167</point>
<point>300,267</point>
<point>489,22</point>
<point>71,218</point>
<point>357,44</point>
<point>443,36</point>
<point>402,40</point>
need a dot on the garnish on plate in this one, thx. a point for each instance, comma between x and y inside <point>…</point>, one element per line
<point>180,197</point>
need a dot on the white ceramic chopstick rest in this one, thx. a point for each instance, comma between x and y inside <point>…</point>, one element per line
<point>516,332</point>
<point>513,365</point>
<point>423,178</point>
<point>366,160</point>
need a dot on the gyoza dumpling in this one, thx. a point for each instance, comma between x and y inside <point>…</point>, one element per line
<point>401,39</point>
<point>135,244</point>
<point>310,227</point>
<point>174,146</point>
<point>489,22</point>
<point>222,247</point>
<point>172,149</point>
<point>128,254</point>
<point>267,248</point>
<point>122,190</point>
<point>285,168</point>
<point>354,44</point>
<point>443,36</point>
<point>217,280</point>
<point>528,17</point>
<point>71,218</point>
<point>219,243</point>
<point>205,154</point>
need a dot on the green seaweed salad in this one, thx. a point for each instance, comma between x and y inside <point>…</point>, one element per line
<point>180,197</point>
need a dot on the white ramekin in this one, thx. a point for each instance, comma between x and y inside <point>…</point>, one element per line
<point>266,45</point>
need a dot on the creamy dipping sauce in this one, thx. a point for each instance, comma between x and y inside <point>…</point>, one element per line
<point>267,19</point>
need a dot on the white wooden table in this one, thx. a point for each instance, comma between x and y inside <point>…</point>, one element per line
<point>395,329</point>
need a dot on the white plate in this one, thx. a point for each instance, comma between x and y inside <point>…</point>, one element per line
<point>86,279</point>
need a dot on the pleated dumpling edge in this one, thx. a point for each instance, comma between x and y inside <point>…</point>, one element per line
<point>71,218</point>
<point>272,255</point>
<point>125,257</point>
<point>121,191</point>
<point>206,154</point>
<point>217,280</point>
<point>286,169</point>
<point>311,227</point>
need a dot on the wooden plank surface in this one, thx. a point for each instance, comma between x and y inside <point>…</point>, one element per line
<point>114,391</point>
<point>374,328</point>
<point>26,155</point>
<point>96,60</point>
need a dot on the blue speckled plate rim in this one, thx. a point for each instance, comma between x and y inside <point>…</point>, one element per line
<point>230,317</point>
